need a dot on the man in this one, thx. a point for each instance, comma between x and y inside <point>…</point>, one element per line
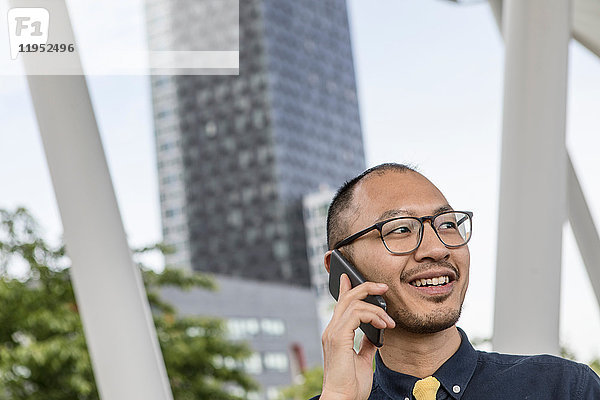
<point>401,234</point>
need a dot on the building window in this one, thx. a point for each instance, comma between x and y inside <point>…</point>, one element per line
<point>258,119</point>
<point>229,145</point>
<point>171,212</point>
<point>210,129</point>
<point>163,114</point>
<point>252,234</point>
<point>276,361</point>
<point>160,81</point>
<point>244,158</point>
<point>240,123</point>
<point>272,326</point>
<point>248,194</point>
<point>280,249</point>
<point>240,328</point>
<point>203,96</point>
<point>166,146</point>
<point>169,179</point>
<point>262,154</point>
<point>253,364</point>
<point>235,218</point>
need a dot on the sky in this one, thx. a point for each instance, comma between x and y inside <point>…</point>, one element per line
<point>430,82</point>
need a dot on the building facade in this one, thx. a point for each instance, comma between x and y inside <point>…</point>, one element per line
<point>316,206</point>
<point>279,323</point>
<point>236,154</point>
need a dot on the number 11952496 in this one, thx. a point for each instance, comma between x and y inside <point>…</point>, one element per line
<point>47,48</point>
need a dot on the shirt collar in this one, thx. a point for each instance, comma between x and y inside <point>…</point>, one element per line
<point>454,374</point>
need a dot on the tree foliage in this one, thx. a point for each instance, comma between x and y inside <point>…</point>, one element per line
<point>43,354</point>
<point>595,365</point>
<point>307,385</point>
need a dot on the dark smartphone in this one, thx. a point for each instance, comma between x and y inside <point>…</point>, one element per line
<point>340,265</point>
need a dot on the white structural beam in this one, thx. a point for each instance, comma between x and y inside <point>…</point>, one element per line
<point>586,24</point>
<point>533,176</point>
<point>496,6</point>
<point>118,325</point>
<point>584,230</point>
<point>116,317</point>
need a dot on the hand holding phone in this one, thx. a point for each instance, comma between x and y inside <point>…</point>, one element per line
<point>348,373</point>
<point>340,265</point>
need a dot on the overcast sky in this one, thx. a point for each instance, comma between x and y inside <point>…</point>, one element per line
<point>429,77</point>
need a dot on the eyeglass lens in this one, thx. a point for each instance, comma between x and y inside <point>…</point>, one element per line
<point>403,234</point>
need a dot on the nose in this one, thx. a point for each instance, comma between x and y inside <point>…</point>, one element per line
<point>431,247</point>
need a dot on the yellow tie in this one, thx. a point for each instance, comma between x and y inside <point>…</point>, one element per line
<point>425,389</point>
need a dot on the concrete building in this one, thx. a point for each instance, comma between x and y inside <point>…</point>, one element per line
<point>279,322</point>
<point>316,206</point>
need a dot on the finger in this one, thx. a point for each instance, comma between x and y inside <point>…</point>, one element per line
<point>344,323</point>
<point>380,312</point>
<point>362,291</point>
<point>346,326</point>
<point>353,298</point>
<point>345,284</point>
<point>366,350</point>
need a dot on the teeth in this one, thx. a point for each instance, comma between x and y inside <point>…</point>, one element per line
<point>440,280</point>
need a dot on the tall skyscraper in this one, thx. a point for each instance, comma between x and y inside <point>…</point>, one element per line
<point>237,153</point>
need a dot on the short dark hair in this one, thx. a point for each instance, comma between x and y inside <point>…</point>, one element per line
<point>336,225</point>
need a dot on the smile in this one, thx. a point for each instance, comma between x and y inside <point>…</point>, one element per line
<point>437,281</point>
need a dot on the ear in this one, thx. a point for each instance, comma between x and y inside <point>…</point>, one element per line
<point>327,259</point>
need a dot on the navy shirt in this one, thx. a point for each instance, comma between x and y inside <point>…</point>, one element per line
<point>475,375</point>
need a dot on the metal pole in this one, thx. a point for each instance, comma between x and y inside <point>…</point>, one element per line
<point>584,230</point>
<point>110,295</point>
<point>586,24</point>
<point>533,176</point>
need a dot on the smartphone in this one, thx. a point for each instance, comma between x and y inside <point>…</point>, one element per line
<point>340,265</point>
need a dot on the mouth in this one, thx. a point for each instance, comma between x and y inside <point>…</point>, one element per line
<point>435,281</point>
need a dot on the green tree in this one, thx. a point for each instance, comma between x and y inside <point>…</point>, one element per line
<point>43,354</point>
<point>307,385</point>
<point>568,354</point>
<point>595,365</point>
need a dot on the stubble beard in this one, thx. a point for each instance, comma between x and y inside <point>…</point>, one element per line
<point>435,321</point>
<point>432,322</point>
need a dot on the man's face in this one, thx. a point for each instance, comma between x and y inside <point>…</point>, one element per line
<point>415,309</point>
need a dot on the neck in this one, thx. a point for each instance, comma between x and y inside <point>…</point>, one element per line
<point>418,355</point>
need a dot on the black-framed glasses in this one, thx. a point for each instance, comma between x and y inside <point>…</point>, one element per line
<point>403,235</point>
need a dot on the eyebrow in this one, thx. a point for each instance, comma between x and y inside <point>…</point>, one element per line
<point>445,207</point>
<point>400,212</point>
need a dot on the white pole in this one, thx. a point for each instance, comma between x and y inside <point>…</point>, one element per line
<point>533,176</point>
<point>584,229</point>
<point>116,317</point>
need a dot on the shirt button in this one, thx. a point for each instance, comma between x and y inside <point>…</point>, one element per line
<point>406,398</point>
<point>456,388</point>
